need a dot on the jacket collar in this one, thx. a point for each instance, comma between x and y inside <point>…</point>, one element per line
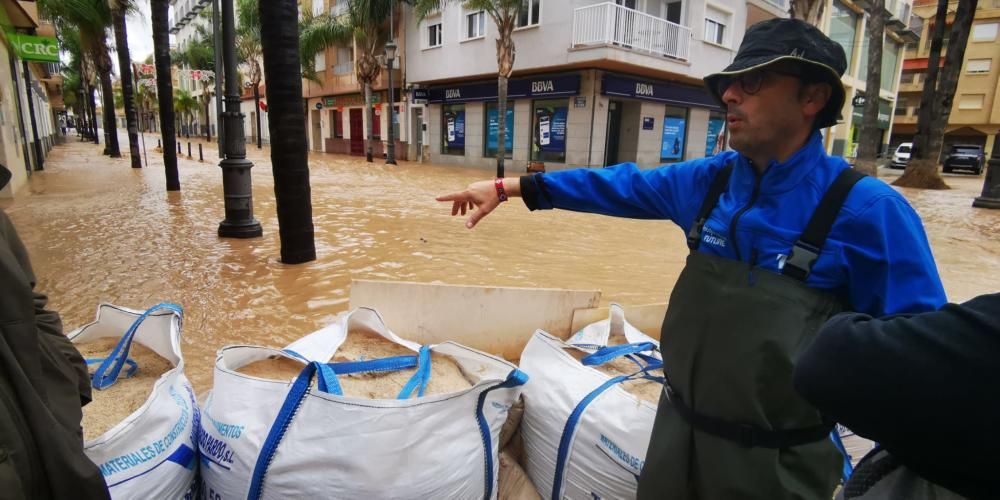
<point>781,177</point>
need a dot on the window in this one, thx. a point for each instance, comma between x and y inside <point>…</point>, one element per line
<point>337,117</point>
<point>716,22</point>
<point>453,129</point>
<point>317,7</point>
<point>672,145</point>
<point>890,58</point>
<point>548,130</point>
<point>843,28</point>
<point>944,38</point>
<point>527,15</point>
<point>434,35</point>
<point>320,61</point>
<point>971,101</point>
<point>345,63</point>
<point>984,32</point>
<point>978,66</point>
<point>492,130</point>
<point>475,25</point>
<point>908,77</point>
<point>715,142</point>
<point>901,104</point>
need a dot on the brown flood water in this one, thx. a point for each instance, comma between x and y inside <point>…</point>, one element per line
<point>99,231</point>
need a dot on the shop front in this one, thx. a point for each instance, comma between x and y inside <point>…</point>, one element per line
<point>337,124</point>
<point>654,122</point>
<point>857,117</point>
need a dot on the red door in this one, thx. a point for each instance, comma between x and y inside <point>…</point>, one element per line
<point>357,133</point>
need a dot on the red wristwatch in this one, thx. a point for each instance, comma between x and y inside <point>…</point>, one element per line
<point>501,193</point>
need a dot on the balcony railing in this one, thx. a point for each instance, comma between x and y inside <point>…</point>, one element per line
<point>611,24</point>
<point>781,4</point>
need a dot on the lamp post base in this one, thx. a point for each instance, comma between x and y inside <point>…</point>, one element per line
<point>242,230</point>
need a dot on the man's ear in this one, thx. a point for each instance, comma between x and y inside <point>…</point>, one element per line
<point>814,98</point>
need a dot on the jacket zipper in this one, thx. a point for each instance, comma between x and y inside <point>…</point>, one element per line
<point>736,218</point>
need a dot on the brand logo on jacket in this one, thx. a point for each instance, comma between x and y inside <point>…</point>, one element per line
<point>713,238</point>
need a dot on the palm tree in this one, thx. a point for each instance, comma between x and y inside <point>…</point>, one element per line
<point>504,16</point>
<point>185,105</point>
<point>871,139</point>
<point>936,100</point>
<point>248,48</point>
<point>119,9</point>
<point>287,121</point>
<point>92,18</point>
<point>165,90</point>
<point>366,23</point>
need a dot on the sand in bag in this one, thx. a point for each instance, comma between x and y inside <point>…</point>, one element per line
<point>446,376</point>
<point>110,406</point>
<point>646,390</point>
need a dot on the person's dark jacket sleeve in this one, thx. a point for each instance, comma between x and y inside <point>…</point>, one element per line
<point>924,386</point>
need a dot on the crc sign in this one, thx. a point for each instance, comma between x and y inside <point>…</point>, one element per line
<point>35,48</point>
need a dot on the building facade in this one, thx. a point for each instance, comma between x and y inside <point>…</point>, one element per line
<point>594,84</point>
<point>31,102</point>
<point>975,112</point>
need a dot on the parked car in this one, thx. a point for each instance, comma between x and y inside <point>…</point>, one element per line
<point>902,155</point>
<point>965,157</point>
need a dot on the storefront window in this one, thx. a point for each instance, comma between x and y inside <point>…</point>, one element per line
<point>715,143</point>
<point>453,129</point>
<point>338,123</point>
<point>674,134</point>
<point>548,131</point>
<point>843,28</point>
<point>890,57</point>
<point>492,129</point>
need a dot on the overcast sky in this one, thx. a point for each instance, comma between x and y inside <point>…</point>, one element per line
<point>140,35</point>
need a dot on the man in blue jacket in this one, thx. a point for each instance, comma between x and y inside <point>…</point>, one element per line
<point>782,237</point>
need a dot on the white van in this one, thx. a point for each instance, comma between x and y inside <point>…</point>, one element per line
<point>902,155</point>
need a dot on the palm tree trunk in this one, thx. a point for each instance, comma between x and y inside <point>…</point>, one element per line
<point>125,66</point>
<point>871,140</point>
<point>256,112</point>
<point>926,110</point>
<point>287,123</point>
<point>501,123</point>
<point>93,113</point>
<point>165,91</point>
<point>110,127</point>
<point>368,113</point>
<point>505,68</point>
<point>208,122</point>
<point>923,173</point>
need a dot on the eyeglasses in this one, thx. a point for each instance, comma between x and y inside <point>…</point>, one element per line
<point>751,81</point>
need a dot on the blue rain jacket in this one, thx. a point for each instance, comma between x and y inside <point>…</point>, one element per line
<point>876,258</point>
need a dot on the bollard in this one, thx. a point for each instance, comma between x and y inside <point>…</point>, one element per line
<point>201,157</point>
<point>158,144</point>
<point>179,147</point>
<point>189,149</point>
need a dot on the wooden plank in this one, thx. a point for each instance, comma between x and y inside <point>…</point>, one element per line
<point>647,318</point>
<point>497,320</point>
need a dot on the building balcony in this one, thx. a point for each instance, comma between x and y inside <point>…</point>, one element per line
<point>607,24</point>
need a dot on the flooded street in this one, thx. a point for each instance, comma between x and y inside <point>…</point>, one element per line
<point>99,231</point>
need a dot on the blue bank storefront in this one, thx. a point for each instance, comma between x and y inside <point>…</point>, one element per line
<point>580,118</point>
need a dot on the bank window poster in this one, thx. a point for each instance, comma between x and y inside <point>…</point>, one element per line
<point>493,129</point>
<point>716,135</point>
<point>549,130</point>
<point>454,130</point>
<point>672,147</point>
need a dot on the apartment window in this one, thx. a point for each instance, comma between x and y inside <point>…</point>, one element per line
<point>528,14</point>
<point>475,25</point>
<point>901,105</point>
<point>890,59</point>
<point>844,28</point>
<point>908,77</point>
<point>971,101</point>
<point>979,66</point>
<point>345,62</point>
<point>320,62</point>
<point>984,32</point>
<point>317,7</point>
<point>434,35</point>
<point>716,22</point>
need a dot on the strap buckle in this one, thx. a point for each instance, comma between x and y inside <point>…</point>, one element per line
<point>800,260</point>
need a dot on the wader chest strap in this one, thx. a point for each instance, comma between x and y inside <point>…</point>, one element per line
<point>807,248</point>
<point>747,435</point>
<point>715,190</point>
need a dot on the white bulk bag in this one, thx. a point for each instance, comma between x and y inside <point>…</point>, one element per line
<point>584,436</point>
<point>152,453</point>
<point>269,439</point>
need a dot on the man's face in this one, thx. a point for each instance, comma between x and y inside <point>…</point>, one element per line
<point>765,109</point>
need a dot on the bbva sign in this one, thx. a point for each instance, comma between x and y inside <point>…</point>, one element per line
<point>35,48</point>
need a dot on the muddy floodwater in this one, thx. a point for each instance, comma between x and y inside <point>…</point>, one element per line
<point>99,231</point>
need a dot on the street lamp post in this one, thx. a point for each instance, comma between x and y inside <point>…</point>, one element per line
<point>236,183</point>
<point>991,184</point>
<point>390,56</point>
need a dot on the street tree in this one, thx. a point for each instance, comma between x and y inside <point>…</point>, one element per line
<point>249,52</point>
<point>279,32</point>
<point>870,137</point>
<point>938,96</point>
<point>185,105</point>
<point>366,24</point>
<point>165,90</point>
<point>504,15</point>
<point>93,19</point>
<point>119,10</point>
<point>810,11</point>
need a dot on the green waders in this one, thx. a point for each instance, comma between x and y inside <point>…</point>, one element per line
<point>729,424</point>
